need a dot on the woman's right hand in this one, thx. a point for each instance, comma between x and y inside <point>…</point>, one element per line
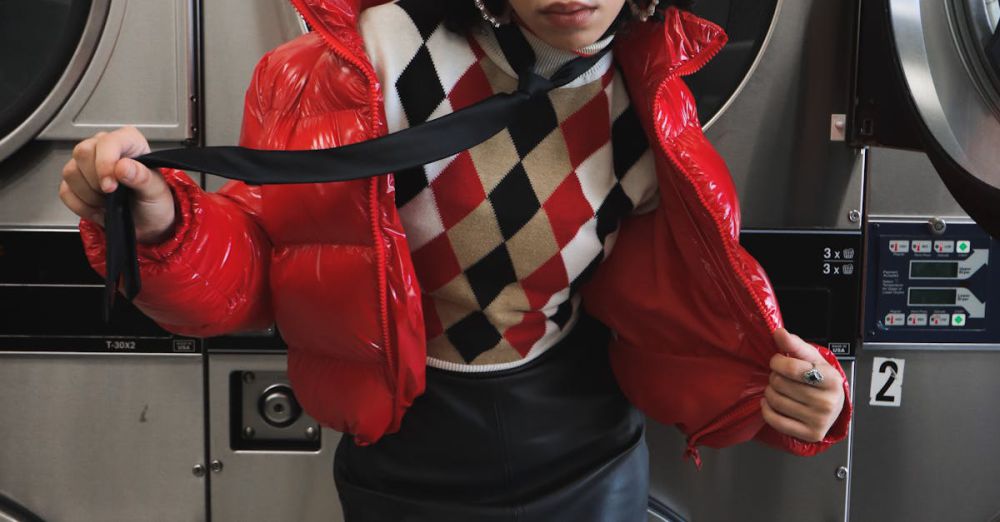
<point>103,161</point>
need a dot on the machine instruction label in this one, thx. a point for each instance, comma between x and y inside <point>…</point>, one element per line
<point>887,382</point>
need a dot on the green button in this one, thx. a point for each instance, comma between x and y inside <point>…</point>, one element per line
<point>958,320</point>
<point>964,246</point>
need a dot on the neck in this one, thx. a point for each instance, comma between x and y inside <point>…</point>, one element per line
<point>548,59</point>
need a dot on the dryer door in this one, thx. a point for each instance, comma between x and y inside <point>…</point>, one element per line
<point>749,26</point>
<point>949,55</point>
<point>44,48</point>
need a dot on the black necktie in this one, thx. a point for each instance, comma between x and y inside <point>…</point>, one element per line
<point>412,147</point>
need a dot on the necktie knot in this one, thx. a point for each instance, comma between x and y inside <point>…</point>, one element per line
<point>533,84</point>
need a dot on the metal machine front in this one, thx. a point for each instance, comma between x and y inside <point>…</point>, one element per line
<point>926,424</point>
<point>101,421</point>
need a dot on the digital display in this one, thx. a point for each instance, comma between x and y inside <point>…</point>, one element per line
<point>934,269</point>
<point>933,296</point>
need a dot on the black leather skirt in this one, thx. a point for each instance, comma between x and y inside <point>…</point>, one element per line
<point>552,440</point>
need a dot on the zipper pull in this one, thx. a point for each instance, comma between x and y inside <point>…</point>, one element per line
<point>692,453</point>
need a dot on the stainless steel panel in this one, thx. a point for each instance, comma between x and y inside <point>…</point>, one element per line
<point>141,73</point>
<point>936,456</point>
<point>265,485</point>
<point>237,34</point>
<point>903,184</point>
<point>94,437</point>
<point>29,187</point>
<point>749,482</point>
<point>775,135</point>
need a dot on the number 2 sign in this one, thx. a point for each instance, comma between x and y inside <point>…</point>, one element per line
<point>887,382</point>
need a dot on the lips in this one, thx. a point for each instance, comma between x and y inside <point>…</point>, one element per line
<point>569,15</point>
<point>568,8</point>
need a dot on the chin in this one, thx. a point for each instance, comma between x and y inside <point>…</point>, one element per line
<point>574,41</point>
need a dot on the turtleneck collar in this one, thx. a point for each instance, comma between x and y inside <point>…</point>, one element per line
<point>548,59</point>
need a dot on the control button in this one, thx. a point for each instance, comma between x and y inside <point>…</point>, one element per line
<point>963,247</point>
<point>944,247</point>
<point>899,246</point>
<point>940,319</point>
<point>958,320</point>
<point>916,320</point>
<point>921,247</point>
<point>894,319</point>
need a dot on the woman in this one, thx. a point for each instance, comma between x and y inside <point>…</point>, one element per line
<point>483,269</point>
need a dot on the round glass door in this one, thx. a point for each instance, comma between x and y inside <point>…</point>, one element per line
<point>748,24</point>
<point>38,39</point>
<point>950,59</point>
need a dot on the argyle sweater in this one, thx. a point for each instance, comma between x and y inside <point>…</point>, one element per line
<point>503,234</point>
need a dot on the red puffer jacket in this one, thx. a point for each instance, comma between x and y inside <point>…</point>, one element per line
<point>330,265</point>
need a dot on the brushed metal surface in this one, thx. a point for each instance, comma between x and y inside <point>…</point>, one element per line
<point>775,133</point>
<point>936,456</point>
<point>102,438</point>
<point>265,486</point>
<point>141,73</point>
<point>904,184</point>
<point>750,482</point>
<point>29,187</point>
<point>237,34</point>
<point>78,63</point>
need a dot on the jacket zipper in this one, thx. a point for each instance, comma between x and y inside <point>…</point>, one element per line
<point>730,255</point>
<point>373,210</point>
<point>749,404</point>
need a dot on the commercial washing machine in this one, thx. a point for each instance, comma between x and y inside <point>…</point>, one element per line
<point>927,424</point>
<point>100,421</point>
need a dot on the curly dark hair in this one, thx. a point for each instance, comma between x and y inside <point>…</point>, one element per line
<point>462,15</point>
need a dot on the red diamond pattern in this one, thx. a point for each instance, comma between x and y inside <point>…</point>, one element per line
<point>568,209</point>
<point>458,190</point>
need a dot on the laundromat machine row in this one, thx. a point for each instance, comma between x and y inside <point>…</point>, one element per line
<point>838,119</point>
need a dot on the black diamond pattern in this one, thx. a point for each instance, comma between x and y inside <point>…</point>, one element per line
<point>514,201</point>
<point>419,88</point>
<point>616,206</point>
<point>628,141</point>
<point>473,335</point>
<point>538,121</point>
<point>425,15</point>
<point>409,184</point>
<point>563,314</point>
<point>490,275</point>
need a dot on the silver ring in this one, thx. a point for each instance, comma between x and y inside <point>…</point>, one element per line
<point>812,377</point>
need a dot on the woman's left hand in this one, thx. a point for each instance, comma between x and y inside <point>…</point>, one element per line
<point>793,407</point>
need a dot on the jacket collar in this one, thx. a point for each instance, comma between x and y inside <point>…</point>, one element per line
<point>683,44</point>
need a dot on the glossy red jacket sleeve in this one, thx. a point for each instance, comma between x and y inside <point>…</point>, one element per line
<point>211,276</point>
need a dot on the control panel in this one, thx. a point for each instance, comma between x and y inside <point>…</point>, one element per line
<point>931,286</point>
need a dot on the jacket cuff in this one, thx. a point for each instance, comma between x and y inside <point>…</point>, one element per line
<point>186,194</point>
<point>836,433</point>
